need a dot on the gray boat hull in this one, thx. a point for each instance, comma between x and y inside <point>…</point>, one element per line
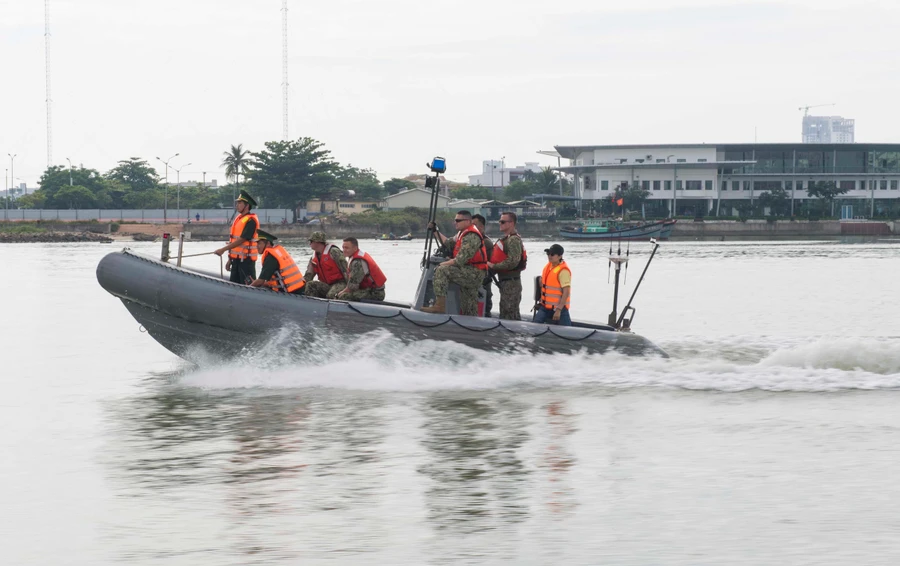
<point>184,309</point>
<point>658,230</point>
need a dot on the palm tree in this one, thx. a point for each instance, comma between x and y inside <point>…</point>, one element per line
<point>236,162</point>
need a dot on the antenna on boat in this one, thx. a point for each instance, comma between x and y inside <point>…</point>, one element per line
<point>627,255</point>
<point>618,260</point>
<point>623,323</point>
<point>438,165</point>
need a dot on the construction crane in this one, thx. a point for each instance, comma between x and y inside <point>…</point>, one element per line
<point>806,108</point>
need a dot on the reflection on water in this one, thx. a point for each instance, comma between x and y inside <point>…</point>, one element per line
<point>477,477</point>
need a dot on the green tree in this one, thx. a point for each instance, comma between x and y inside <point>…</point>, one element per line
<point>135,173</point>
<point>472,192</point>
<point>75,197</point>
<point>825,192</point>
<point>56,177</point>
<point>288,173</point>
<point>237,162</point>
<point>37,199</point>
<point>545,182</point>
<point>632,196</point>
<point>518,190</point>
<point>363,182</point>
<point>777,200</point>
<point>395,185</point>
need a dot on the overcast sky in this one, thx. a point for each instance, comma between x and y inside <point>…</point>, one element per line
<point>387,84</point>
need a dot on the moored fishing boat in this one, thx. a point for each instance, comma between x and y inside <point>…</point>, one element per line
<point>607,229</point>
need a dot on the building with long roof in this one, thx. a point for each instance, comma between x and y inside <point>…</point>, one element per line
<point>713,179</point>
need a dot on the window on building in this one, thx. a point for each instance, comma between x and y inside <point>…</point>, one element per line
<point>678,185</point>
<point>694,186</point>
<point>894,184</point>
<point>707,185</point>
<point>668,185</point>
<point>604,185</point>
<point>789,186</point>
<point>645,185</point>
<point>735,185</point>
<point>701,161</point>
<point>656,185</point>
<point>724,185</point>
<point>660,160</point>
<point>799,185</point>
<point>681,160</point>
<point>847,185</point>
<point>883,185</point>
<point>368,206</point>
<point>746,185</point>
<point>347,205</point>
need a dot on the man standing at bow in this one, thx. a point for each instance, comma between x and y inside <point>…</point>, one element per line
<point>241,247</point>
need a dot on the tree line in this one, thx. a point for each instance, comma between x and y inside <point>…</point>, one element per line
<point>284,174</point>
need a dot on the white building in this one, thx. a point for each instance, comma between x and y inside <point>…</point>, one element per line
<point>419,198</point>
<point>828,129</point>
<point>494,174</point>
<point>713,179</point>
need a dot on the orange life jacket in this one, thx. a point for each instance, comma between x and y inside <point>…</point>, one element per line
<point>326,268</point>
<point>499,255</point>
<point>478,260</point>
<point>551,290</point>
<point>288,277</point>
<point>375,279</point>
<point>247,250</point>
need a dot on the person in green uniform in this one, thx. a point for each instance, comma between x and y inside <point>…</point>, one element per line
<point>479,220</point>
<point>365,279</point>
<point>462,269</point>
<point>287,279</point>
<point>508,255</point>
<point>328,265</point>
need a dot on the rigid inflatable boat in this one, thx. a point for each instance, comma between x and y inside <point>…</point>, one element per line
<point>183,308</point>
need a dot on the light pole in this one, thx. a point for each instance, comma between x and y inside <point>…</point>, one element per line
<point>12,175</point>
<point>166,200</point>
<point>70,171</point>
<point>674,185</point>
<point>178,185</point>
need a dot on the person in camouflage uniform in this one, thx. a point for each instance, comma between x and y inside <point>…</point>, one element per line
<point>479,222</point>
<point>319,244</point>
<point>359,273</point>
<point>509,256</point>
<point>461,269</point>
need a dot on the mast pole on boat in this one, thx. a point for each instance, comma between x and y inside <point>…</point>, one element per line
<point>618,260</point>
<point>438,165</point>
<point>621,319</point>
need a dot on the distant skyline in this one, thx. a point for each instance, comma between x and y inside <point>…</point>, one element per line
<point>388,85</point>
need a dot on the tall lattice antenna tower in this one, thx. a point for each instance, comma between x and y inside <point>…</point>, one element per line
<point>284,69</point>
<point>47,71</point>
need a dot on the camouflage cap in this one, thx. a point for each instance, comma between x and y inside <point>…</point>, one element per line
<point>318,236</point>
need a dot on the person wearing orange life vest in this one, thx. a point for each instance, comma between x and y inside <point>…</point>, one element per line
<point>466,269</point>
<point>328,265</point>
<point>241,247</point>
<point>279,271</point>
<point>508,261</point>
<point>556,290</point>
<point>365,279</point>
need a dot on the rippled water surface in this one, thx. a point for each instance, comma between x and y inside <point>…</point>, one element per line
<point>770,437</point>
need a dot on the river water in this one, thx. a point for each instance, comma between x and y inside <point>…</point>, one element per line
<point>772,435</point>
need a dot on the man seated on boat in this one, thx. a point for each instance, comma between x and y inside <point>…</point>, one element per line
<point>328,265</point>
<point>279,271</point>
<point>365,278</point>
<point>241,247</point>
<point>479,222</point>
<point>466,268</point>
<point>556,290</point>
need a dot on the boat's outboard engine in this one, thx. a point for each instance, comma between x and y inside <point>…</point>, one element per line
<point>425,291</point>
